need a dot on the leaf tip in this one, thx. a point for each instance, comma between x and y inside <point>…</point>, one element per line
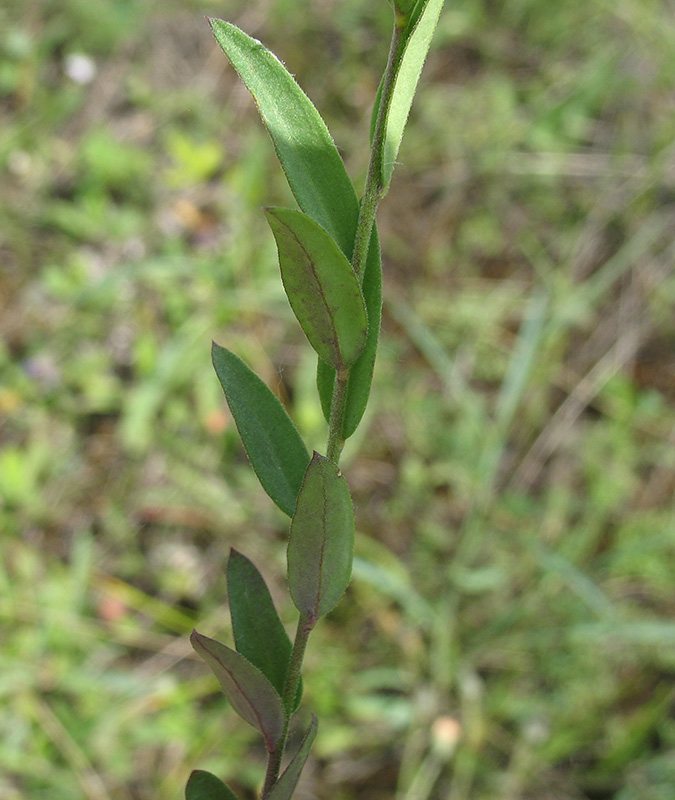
<point>235,555</point>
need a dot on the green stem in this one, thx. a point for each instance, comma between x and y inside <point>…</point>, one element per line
<point>374,189</point>
<point>373,193</point>
<point>337,412</point>
<point>288,699</point>
<point>295,663</point>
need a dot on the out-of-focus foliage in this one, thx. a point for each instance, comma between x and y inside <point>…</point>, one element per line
<point>509,629</point>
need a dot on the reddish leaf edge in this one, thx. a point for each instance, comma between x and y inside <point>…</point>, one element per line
<point>270,742</point>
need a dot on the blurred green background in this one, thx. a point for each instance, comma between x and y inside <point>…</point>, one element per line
<point>509,631</point>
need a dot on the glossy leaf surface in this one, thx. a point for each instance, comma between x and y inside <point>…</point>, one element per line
<point>418,35</point>
<point>276,451</point>
<point>283,789</point>
<point>361,374</point>
<point>259,635</point>
<point>321,545</point>
<point>203,785</point>
<point>306,151</point>
<point>252,696</point>
<point>321,286</point>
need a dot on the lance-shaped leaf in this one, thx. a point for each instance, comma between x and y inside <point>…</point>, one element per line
<point>259,635</point>
<point>275,449</point>
<point>416,40</point>
<point>305,148</point>
<point>322,288</point>
<point>203,785</point>
<point>252,696</point>
<point>283,789</point>
<point>321,545</point>
<point>361,373</point>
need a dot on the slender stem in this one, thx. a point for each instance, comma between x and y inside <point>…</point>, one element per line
<point>295,663</point>
<point>373,192</point>
<point>288,699</point>
<point>273,767</point>
<point>337,412</point>
<point>374,189</point>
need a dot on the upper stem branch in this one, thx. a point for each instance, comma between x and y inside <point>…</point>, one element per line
<point>373,192</point>
<point>374,189</point>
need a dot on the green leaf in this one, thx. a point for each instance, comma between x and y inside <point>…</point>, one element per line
<point>283,789</point>
<point>275,449</point>
<point>306,151</point>
<point>252,696</point>
<point>361,373</point>
<point>203,785</point>
<point>417,35</point>
<point>322,288</point>
<point>321,545</point>
<point>259,635</point>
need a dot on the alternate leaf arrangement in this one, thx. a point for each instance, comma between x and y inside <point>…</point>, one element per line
<point>330,263</point>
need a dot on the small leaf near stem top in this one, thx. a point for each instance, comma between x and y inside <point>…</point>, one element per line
<point>321,287</point>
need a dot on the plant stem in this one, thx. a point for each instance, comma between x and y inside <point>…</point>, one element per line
<point>273,767</point>
<point>288,699</point>
<point>373,193</point>
<point>337,411</point>
<point>295,663</point>
<point>374,189</point>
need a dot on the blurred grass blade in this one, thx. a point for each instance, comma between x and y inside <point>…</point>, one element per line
<point>530,337</point>
<point>306,151</point>
<point>576,579</point>
<point>321,286</point>
<point>417,38</point>
<point>252,696</point>
<point>520,366</point>
<point>259,635</point>
<point>203,785</point>
<point>321,545</point>
<point>283,789</point>
<point>361,373</point>
<point>277,453</point>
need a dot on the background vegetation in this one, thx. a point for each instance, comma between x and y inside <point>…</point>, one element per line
<point>508,634</point>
